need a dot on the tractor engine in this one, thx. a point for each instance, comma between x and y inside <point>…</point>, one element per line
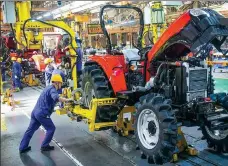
<point>183,83</point>
<point>186,85</point>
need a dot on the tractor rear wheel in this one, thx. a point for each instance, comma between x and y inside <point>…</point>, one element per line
<point>156,128</point>
<point>216,139</point>
<point>95,84</point>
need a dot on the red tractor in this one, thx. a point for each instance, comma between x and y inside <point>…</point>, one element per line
<point>167,87</point>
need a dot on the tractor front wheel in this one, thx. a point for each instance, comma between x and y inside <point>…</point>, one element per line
<point>156,128</point>
<point>216,139</point>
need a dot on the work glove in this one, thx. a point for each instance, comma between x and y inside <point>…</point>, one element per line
<point>16,77</point>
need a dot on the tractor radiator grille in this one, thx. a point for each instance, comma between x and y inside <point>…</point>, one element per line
<point>197,79</point>
<point>193,95</point>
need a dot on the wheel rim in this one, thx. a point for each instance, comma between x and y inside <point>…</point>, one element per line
<point>89,93</point>
<point>148,129</point>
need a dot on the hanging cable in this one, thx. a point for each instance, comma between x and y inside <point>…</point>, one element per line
<point>11,26</point>
<point>151,41</point>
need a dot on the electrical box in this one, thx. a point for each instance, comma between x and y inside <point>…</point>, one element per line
<point>9,14</point>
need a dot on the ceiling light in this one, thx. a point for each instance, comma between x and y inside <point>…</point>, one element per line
<point>47,14</point>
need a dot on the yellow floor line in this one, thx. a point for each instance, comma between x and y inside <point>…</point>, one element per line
<point>3,123</point>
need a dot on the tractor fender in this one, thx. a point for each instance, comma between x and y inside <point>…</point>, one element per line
<point>39,61</point>
<point>114,68</point>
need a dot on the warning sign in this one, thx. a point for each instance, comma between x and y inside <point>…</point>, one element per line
<point>94,29</point>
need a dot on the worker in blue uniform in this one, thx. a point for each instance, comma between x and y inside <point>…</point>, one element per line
<point>79,59</point>
<point>3,69</point>
<point>13,59</point>
<point>18,75</point>
<point>41,115</point>
<point>48,70</point>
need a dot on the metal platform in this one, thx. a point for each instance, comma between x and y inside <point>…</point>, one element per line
<point>75,145</point>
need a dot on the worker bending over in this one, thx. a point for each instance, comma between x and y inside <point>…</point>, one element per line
<point>16,73</point>
<point>41,115</point>
<point>48,70</point>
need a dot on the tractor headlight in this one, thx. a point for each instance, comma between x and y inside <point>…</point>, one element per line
<point>198,12</point>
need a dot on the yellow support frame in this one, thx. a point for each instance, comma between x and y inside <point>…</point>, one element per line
<point>124,126</point>
<point>90,114</point>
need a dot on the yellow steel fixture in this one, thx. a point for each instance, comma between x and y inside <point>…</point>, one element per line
<point>9,99</point>
<point>23,9</point>
<point>30,80</point>
<point>88,115</point>
<point>125,121</point>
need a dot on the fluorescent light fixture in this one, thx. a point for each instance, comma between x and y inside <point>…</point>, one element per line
<point>70,6</point>
<point>74,7</point>
<point>39,17</point>
<point>89,6</point>
<point>47,14</point>
<point>97,10</point>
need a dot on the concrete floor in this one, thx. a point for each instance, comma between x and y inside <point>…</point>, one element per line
<point>75,145</point>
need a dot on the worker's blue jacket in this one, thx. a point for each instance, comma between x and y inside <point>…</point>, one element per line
<point>80,54</point>
<point>46,102</point>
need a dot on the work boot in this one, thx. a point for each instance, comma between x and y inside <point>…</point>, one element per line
<point>47,148</point>
<point>17,90</point>
<point>25,150</point>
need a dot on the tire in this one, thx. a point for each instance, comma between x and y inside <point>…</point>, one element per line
<point>217,142</point>
<point>162,125</point>
<point>211,85</point>
<point>96,85</point>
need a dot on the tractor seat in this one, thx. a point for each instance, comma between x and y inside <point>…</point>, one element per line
<point>131,54</point>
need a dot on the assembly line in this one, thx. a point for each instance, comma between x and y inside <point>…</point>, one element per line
<point>153,98</point>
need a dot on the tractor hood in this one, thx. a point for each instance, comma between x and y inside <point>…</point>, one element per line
<point>194,31</point>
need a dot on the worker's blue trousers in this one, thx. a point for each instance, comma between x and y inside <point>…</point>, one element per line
<point>17,82</point>
<point>3,75</point>
<point>38,119</point>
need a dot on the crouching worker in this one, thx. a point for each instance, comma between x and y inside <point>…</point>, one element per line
<point>41,115</point>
